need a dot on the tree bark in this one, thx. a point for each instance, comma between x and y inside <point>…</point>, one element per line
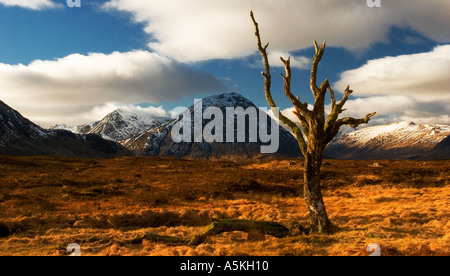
<point>227,225</point>
<point>220,226</point>
<point>319,221</point>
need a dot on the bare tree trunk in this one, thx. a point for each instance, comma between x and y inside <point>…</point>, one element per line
<point>318,217</point>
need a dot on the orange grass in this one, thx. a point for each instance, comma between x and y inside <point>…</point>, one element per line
<point>102,205</point>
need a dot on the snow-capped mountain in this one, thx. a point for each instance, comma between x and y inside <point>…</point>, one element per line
<point>151,136</point>
<point>401,140</point>
<point>121,124</point>
<point>13,125</point>
<point>81,129</point>
<point>158,141</point>
<point>19,136</point>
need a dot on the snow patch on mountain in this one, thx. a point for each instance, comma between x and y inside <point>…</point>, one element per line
<point>81,129</point>
<point>158,141</point>
<point>19,136</point>
<point>122,124</point>
<point>400,140</point>
<point>12,125</point>
<point>398,135</point>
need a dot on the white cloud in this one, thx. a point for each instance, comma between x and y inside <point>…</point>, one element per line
<point>408,87</point>
<point>199,30</point>
<point>30,4</point>
<point>396,108</point>
<point>76,115</point>
<point>102,110</point>
<point>58,91</point>
<point>423,76</point>
<point>300,62</point>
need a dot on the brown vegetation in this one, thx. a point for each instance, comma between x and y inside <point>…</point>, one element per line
<point>121,206</point>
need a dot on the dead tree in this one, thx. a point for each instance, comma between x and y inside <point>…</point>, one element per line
<point>314,131</point>
<point>219,226</point>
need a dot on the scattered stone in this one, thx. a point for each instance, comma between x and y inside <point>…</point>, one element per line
<point>4,230</point>
<point>378,165</point>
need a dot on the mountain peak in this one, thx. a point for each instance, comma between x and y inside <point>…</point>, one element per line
<point>122,124</point>
<point>227,100</point>
<point>159,141</point>
<point>12,123</point>
<point>400,140</point>
<point>19,136</point>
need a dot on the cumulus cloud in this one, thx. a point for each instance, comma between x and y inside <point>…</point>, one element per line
<point>57,91</point>
<point>30,4</point>
<point>81,114</point>
<point>300,62</point>
<point>199,30</point>
<point>102,110</point>
<point>407,87</point>
<point>396,108</point>
<point>423,76</point>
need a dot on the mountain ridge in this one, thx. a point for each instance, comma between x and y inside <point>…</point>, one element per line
<point>21,137</point>
<point>143,135</point>
<point>399,140</point>
<point>121,124</point>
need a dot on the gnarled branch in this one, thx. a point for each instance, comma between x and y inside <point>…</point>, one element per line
<point>315,65</point>
<point>344,99</point>
<point>303,121</point>
<point>302,108</point>
<point>352,122</point>
<point>267,88</point>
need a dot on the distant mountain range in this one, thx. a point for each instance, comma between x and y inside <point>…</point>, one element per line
<point>123,133</point>
<point>118,125</point>
<point>401,140</point>
<point>138,134</point>
<point>21,137</point>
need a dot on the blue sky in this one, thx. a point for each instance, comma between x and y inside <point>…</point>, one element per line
<point>74,65</point>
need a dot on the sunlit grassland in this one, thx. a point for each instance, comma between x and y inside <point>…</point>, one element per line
<point>47,203</point>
